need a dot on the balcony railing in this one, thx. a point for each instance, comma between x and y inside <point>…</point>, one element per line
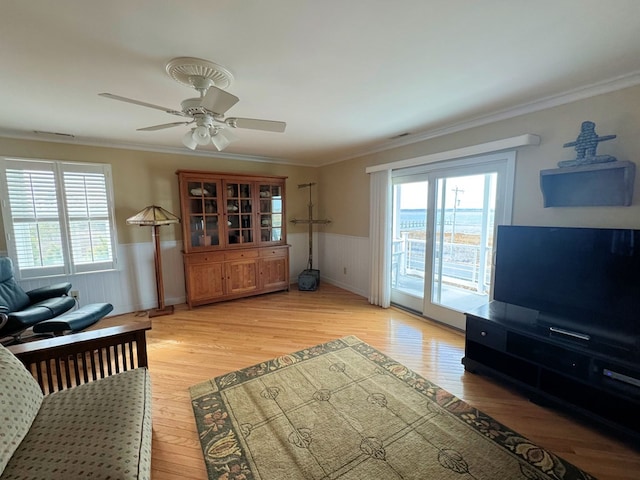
<point>460,263</point>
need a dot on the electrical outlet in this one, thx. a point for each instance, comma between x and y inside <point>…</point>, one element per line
<point>344,270</point>
<point>75,294</point>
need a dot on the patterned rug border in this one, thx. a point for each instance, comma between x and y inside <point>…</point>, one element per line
<point>206,396</point>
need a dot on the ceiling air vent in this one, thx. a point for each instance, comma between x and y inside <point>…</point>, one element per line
<point>56,135</point>
<point>400,135</point>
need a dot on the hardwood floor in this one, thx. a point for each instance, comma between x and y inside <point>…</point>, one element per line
<point>191,346</point>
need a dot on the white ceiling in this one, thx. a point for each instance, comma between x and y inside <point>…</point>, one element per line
<point>346,75</point>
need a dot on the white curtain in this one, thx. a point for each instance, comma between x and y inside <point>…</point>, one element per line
<point>380,238</point>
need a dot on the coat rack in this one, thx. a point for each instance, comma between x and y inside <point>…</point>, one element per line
<point>309,279</point>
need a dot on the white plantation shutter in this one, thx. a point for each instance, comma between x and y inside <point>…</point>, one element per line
<point>60,217</point>
<point>88,216</point>
<point>34,213</point>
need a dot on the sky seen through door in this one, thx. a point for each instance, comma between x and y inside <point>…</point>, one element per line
<point>470,193</point>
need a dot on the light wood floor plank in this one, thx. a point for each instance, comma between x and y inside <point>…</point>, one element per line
<point>192,346</point>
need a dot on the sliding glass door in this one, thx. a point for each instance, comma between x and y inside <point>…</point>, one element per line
<point>444,220</point>
<point>465,210</point>
<point>409,240</point>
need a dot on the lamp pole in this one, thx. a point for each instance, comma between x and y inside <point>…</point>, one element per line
<point>159,282</point>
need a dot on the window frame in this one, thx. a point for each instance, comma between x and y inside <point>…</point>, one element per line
<point>58,168</point>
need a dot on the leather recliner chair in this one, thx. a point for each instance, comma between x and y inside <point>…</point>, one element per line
<point>20,310</point>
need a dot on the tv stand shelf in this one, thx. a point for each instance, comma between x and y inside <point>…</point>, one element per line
<point>595,381</point>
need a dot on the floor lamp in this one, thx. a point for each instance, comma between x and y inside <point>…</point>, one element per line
<point>155,216</point>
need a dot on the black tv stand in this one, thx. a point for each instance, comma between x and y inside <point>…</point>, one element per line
<point>569,334</point>
<point>598,381</point>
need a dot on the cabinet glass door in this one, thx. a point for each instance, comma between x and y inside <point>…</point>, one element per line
<point>204,214</point>
<point>239,208</point>
<point>271,213</point>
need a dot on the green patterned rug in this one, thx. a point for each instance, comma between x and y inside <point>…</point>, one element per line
<point>343,410</point>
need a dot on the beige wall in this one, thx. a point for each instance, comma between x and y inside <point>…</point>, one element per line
<point>344,198</point>
<point>342,194</point>
<point>144,178</point>
<point>344,186</point>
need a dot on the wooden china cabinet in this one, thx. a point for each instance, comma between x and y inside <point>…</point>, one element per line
<point>234,235</point>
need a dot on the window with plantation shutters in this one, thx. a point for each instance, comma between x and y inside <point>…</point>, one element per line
<point>37,238</point>
<point>58,217</point>
<point>88,217</point>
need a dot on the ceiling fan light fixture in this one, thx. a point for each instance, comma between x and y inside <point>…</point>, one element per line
<point>208,111</point>
<point>201,135</point>
<point>188,140</point>
<point>221,139</point>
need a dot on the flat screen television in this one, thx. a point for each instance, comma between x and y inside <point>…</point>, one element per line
<point>585,280</point>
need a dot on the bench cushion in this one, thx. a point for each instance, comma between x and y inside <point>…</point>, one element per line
<point>97,430</point>
<point>20,399</point>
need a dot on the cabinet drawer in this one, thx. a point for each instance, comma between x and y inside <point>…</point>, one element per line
<point>274,252</point>
<point>487,334</point>
<point>241,255</point>
<point>196,258</point>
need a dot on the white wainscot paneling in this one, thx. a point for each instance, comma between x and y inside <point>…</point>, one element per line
<point>343,253</point>
<point>132,287</point>
<point>137,263</point>
<point>299,253</point>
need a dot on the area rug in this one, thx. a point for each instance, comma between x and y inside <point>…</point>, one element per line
<point>343,410</point>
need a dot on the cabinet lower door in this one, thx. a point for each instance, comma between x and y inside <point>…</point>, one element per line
<point>242,276</point>
<point>273,273</point>
<point>206,281</point>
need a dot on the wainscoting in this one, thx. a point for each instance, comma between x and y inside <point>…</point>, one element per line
<point>132,287</point>
<point>344,262</point>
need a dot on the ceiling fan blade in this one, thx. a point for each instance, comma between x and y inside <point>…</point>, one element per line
<point>255,124</point>
<point>142,104</point>
<point>161,127</point>
<point>217,100</point>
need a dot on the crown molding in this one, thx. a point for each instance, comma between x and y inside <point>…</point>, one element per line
<point>92,142</point>
<point>606,86</point>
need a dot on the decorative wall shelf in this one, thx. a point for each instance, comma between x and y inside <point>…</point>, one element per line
<point>601,184</point>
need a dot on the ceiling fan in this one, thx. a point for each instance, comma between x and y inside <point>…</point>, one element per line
<point>207,112</point>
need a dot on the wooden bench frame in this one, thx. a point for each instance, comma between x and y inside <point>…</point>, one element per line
<point>64,362</point>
